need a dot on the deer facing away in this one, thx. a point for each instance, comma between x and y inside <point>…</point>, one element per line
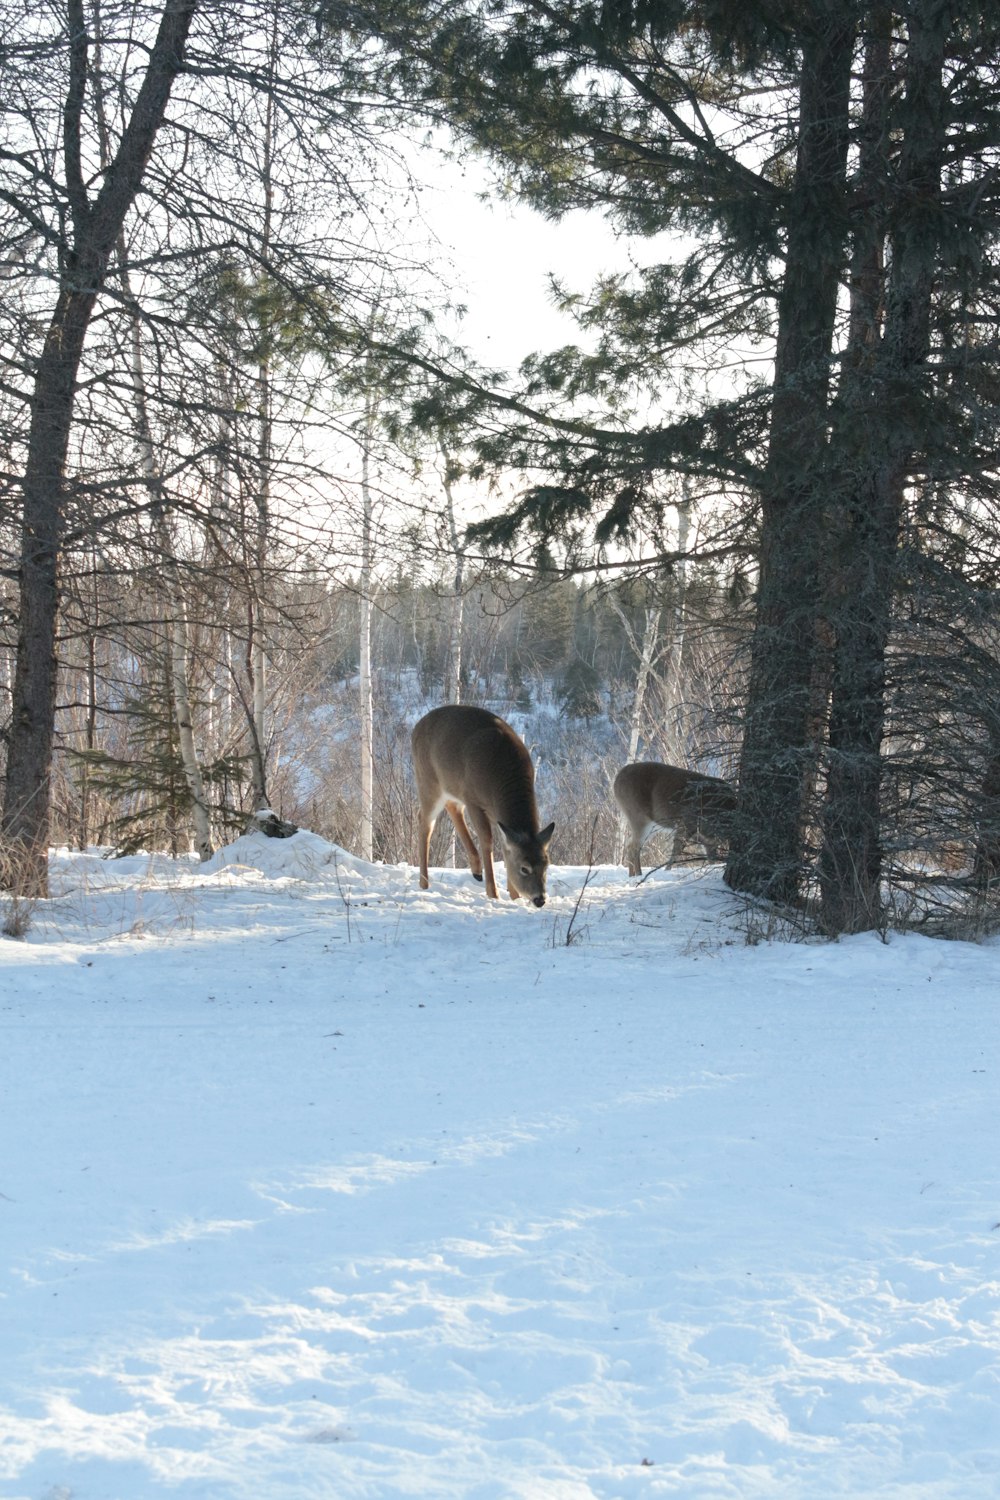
<point>468,761</point>
<point>698,808</point>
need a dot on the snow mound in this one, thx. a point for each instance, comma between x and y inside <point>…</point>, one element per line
<point>301,857</point>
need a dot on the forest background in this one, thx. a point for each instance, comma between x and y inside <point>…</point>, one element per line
<point>745,522</point>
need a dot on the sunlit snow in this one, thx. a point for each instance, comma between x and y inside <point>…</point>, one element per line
<point>317,1185</point>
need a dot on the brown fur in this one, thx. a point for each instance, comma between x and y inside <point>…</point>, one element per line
<point>468,761</point>
<point>698,808</point>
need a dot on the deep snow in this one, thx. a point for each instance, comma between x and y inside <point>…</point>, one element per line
<point>317,1185</point>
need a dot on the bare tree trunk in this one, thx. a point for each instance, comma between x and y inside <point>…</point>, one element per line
<point>90,731</point>
<point>226,695</point>
<point>674,651</point>
<point>647,654</point>
<point>453,659</point>
<point>258,674</point>
<point>766,851</point>
<point>178,643</point>
<point>95,226</point>
<point>222,705</point>
<point>89,603</point>
<point>177,631</point>
<point>453,664</point>
<point>257,643</point>
<point>366,705</point>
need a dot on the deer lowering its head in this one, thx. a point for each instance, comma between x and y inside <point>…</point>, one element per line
<point>698,808</point>
<point>467,758</point>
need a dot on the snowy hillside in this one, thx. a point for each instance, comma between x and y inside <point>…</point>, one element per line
<point>317,1185</point>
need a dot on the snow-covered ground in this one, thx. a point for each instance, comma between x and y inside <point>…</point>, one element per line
<point>316,1185</point>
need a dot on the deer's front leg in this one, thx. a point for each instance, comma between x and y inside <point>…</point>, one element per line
<point>484,833</point>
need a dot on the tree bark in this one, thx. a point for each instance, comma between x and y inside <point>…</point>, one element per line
<point>882,422</point>
<point>647,654</point>
<point>257,644</point>
<point>673,655</point>
<point>453,663</point>
<point>177,629</point>
<point>766,852</point>
<point>366,702</point>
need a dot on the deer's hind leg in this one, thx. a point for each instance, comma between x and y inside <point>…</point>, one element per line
<point>425,827</point>
<point>637,835</point>
<point>454,811</point>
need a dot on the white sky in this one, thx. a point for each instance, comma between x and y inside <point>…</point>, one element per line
<point>502,254</point>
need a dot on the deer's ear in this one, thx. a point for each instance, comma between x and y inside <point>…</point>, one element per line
<point>546,834</point>
<point>511,834</point>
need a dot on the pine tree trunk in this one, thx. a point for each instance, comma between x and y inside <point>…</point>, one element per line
<point>986,862</point>
<point>766,852</point>
<point>882,431</point>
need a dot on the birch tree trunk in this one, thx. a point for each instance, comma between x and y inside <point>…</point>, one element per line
<point>90,730</point>
<point>227,698</point>
<point>257,641</point>
<point>673,672</point>
<point>366,704</point>
<point>646,651</point>
<point>453,665</point>
<point>647,655</point>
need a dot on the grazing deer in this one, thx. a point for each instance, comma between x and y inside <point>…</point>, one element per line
<point>466,757</point>
<point>698,808</point>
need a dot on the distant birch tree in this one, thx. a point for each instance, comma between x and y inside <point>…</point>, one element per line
<point>366,575</point>
<point>456,606</point>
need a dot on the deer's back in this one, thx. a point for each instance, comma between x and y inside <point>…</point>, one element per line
<point>474,756</point>
<point>672,796</point>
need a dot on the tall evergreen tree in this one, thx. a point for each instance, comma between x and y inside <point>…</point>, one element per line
<point>778,742</point>
<point>878,431</point>
<point>926,184</point>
